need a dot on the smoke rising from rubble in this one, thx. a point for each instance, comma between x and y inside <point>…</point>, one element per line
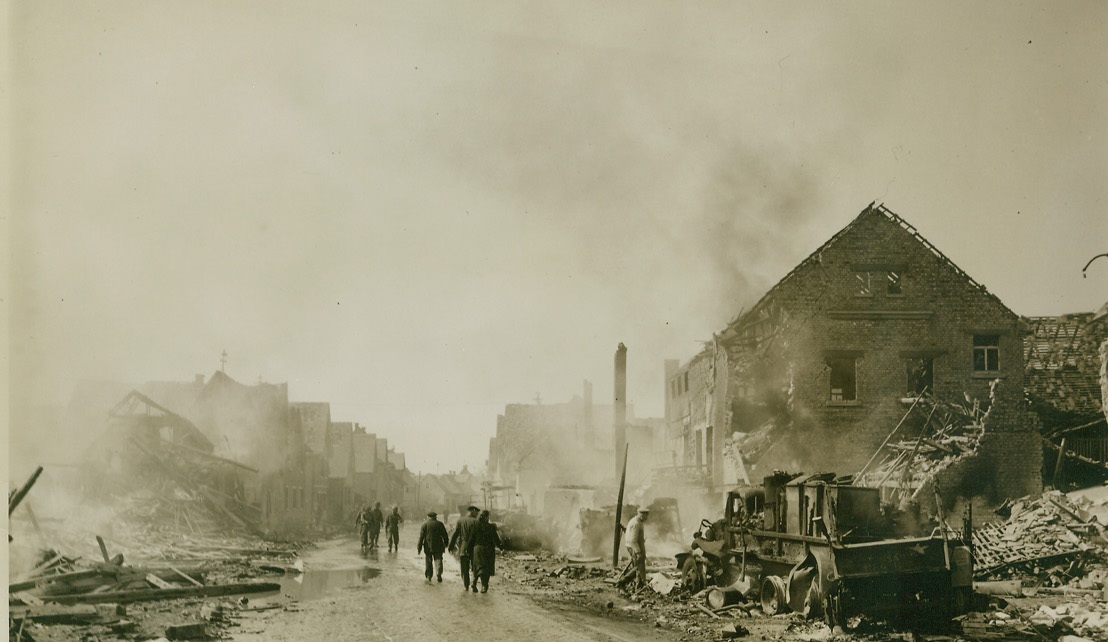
<point>421,214</point>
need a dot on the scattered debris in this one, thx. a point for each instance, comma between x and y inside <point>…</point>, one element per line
<point>1042,537</point>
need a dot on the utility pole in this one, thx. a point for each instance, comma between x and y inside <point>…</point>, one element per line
<point>619,511</point>
<point>223,362</point>
<point>619,430</point>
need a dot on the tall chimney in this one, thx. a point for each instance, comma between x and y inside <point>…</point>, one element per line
<point>588,431</point>
<point>620,428</point>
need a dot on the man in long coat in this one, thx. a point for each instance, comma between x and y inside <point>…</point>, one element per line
<point>483,544</point>
<point>432,542</point>
<point>463,530</point>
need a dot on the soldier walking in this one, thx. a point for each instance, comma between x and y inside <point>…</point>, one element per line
<point>463,530</point>
<point>392,528</point>
<point>432,542</point>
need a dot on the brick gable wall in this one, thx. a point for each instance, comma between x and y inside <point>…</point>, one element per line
<point>816,312</point>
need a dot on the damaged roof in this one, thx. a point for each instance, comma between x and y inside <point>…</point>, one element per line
<point>1063,361</point>
<point>873,209</point>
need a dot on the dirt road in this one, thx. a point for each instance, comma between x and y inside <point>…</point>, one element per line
<point>345,595</point>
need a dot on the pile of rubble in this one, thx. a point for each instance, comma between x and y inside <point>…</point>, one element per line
<point>1041,538</point>
<point>949,433</point>
<point>67,590</point>
<point>60,578</point>
<point>1085,621</point>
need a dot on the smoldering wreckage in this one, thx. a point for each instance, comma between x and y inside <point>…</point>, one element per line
<point>784,506</point>
<point>804,556</point>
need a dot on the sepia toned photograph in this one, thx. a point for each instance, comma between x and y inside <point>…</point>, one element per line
<point>616,321</point>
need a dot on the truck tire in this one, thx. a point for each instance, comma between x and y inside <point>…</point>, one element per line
<point>691,575</point>
<point>773,595</point>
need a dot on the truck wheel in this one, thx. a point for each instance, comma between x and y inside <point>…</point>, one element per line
<point>691,576</point>
<point>773,595</point>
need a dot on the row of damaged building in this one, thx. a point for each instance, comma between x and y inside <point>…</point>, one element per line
<point>876,356</point>
<point>268,465</point>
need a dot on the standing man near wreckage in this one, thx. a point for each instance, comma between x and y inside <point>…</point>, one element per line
<point>463,530</point>
<point>635,541</point>
<point>432,542</point>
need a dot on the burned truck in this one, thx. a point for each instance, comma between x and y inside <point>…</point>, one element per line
<point>821,547</point>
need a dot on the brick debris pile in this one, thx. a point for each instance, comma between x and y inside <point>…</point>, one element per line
<point>1043,537</point>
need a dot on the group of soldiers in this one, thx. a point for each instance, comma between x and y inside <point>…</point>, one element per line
<point>370,521</point>
<point>474,541</point>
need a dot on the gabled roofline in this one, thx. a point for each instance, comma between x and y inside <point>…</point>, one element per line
<point>814,257</point>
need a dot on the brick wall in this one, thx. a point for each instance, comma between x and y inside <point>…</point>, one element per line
<point>818,311</point>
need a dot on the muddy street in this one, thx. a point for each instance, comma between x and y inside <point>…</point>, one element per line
<point>346,595</point>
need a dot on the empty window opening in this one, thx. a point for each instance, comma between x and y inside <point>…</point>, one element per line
<point>862,284</point>
<point>892,282</point>
<point>844,378</point>
<point>921,378</point>
<point>869,282</point>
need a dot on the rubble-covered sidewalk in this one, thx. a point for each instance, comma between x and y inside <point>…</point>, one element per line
<point>1042,574</point>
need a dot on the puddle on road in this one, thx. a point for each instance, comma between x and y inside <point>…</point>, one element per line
<point>314,584</point>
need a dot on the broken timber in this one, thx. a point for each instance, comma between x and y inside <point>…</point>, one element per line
<point>18,496</point>
<point>55,614</point>
<point>147,595</point>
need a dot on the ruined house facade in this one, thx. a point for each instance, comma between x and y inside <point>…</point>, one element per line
<point>1066,363</point>
<point>818,373</point>
<point>540,446</point>
<point>284,468</point>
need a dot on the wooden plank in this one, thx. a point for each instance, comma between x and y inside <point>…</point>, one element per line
<point>237,549</point>
<point>103,549</point>
<point>146,595</point>
<point>18,495</point>
<point>55,613</point>
<point>47,579</point>
<point>28,598</point>
<point>34,572</point>
<point>157,581</point>
<point>185,575</point>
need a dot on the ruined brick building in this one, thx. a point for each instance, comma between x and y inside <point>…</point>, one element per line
<point>820,370</point>
<point>1066,360</point>
<point>284,467</point>
<point>539,446</point>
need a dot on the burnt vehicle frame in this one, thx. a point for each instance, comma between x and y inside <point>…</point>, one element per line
<point>825,548</point>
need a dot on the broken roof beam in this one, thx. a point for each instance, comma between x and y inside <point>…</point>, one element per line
<point>207,455</point>
<point>17,496</point>
<point>183,429</point>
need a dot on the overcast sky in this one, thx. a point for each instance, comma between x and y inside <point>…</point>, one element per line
<point>423,211</point>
